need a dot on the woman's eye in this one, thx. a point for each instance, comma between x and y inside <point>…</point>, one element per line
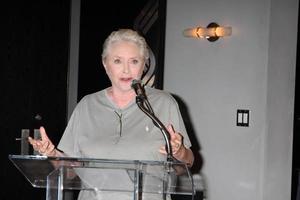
<point>135,61</point>
<point>117,61</point>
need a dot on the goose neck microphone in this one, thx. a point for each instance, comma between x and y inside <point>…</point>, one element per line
<point>138,88</point>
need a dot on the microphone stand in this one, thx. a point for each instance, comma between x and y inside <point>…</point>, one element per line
<point>141,101</point>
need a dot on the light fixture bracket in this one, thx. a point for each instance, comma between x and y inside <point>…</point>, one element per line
<point>213,38</point>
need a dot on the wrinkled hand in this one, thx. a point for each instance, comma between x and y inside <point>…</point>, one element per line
<point>176,140</point>
<point>44,145</point>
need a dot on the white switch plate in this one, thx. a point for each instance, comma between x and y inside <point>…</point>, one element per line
<point>242,117</point>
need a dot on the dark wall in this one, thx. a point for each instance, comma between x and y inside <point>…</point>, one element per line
<point>33,74</point>
<point>97,21</point>
<point>34,65</point>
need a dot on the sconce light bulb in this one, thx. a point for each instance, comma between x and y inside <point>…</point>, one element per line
<point>223,31</point>
<point>190,32</point>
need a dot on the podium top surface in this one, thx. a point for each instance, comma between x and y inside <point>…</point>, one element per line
<point>105,174</point>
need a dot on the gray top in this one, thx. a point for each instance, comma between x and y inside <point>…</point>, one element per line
<point>99,129</point>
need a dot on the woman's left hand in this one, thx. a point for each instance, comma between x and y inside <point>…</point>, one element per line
<point>176,141</point>
<point>179,151</point>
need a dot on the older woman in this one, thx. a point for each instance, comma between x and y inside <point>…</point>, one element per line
<point>108,124</point>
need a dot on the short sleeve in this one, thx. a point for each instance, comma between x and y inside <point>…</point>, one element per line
<point>68,142</point>
<point>178,123</point>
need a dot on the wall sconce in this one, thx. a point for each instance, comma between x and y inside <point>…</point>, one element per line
<point>212,32</point>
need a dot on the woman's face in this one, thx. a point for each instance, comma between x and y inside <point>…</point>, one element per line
<point>123,63</point>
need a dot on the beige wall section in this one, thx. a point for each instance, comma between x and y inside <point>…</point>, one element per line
<point>252,69</point>
<point>280,99</point>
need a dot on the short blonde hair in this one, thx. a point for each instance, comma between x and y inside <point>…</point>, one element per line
<point>126,35</point>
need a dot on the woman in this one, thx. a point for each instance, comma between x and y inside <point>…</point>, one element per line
<point>109,125</point>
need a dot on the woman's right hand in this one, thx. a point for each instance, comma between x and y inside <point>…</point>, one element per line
<point>44,145</point>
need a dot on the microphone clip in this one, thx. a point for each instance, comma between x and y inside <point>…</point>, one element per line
<point>139,90</point>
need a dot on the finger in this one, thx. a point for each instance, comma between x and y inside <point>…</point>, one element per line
<point>162,150</point>
<point>35,143</point>
<point>43,134</point>
<point>31,140</point>
<point>173,143</point>
<point>39,143</point>
<point>44,146</point>
<point>176,147</point>
<point>50,150</point>
<point>171,131</point>
<point>177,141</point>
<point>175,136</point>
<point>40,146</point>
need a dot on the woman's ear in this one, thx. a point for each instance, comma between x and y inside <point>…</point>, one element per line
<point>104,65</point>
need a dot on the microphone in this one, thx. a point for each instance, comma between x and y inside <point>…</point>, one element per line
<point>144,105</point>
<point>138,88</point>
<point>141,98</point>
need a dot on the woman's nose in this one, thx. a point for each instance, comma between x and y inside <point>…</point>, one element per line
<point>126,68</point>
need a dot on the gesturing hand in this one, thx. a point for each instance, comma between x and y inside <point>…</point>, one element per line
<point>44,145</point>
<point>175,141</point>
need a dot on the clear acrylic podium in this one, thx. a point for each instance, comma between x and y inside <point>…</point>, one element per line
<point>135,177</point>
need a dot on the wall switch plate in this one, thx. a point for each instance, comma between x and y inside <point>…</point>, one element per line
<point>242,117</point>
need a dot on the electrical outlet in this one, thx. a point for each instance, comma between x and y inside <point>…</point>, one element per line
<point>242,117</point>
